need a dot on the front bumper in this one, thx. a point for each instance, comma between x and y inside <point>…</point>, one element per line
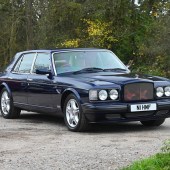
<point>120,112</point>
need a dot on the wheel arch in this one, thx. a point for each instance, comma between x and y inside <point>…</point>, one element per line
<point>66,93</point>
<point>4,85</point>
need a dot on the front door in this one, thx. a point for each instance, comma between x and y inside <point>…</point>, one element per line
<point>41,89</point>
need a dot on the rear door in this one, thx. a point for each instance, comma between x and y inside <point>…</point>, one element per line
<point>17,79</point>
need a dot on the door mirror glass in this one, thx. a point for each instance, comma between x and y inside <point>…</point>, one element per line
<point>43,71</point>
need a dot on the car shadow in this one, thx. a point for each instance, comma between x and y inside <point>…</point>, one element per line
<point>41,118</point>
<point>122,128</point>
<point>94,128</point>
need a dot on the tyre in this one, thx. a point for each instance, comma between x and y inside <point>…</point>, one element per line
<point>153,122</point>
<point>7,108</point>
<point>74,117</point>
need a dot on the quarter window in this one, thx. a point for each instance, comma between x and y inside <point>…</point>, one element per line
<point>17,65</point>
<point>42,62</point>
<point>25,63</point>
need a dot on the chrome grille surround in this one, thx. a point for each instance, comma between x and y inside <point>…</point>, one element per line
<point>138,92</point>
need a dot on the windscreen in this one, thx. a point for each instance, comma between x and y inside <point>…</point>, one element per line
<point>77,60</point>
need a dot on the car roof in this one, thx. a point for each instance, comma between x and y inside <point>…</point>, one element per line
<point>61,50</point>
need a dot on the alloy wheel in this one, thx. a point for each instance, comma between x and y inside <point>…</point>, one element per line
<point>5,103</point>
<point>72,113</point>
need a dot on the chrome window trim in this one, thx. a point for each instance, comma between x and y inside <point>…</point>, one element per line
<point>55,72</point>
<point>35,57</point>
<point>20,73</point>
<point>72,50</point>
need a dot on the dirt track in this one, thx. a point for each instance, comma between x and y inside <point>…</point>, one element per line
<point>43,142</point>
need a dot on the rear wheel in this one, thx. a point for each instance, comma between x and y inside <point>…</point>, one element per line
<point>6,106</point>
<point>153,122</point>
<point>74,117</point>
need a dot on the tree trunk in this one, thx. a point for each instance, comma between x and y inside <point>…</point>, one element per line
<point>29,26</point>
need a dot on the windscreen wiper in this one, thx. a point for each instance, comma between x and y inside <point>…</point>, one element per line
<point>115,69</point>
<point>90,69</point>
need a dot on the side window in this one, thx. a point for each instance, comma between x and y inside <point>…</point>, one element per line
<point>16,68</point>
<point>42,62</point>
<point>26,63</point>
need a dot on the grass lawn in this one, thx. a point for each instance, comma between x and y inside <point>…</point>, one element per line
<point>159,161</point>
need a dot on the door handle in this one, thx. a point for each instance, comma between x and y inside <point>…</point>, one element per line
<point>10,78</point>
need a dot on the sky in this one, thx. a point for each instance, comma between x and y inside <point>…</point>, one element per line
<point>136,1</point>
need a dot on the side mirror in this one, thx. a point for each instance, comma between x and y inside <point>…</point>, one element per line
<point>45,72</point>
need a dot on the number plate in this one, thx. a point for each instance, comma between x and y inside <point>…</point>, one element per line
<point>143,107</point>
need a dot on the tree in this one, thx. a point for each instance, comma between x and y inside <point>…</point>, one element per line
<point>138,32</point>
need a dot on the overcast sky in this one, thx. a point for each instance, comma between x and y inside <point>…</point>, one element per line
<point>136,1</point>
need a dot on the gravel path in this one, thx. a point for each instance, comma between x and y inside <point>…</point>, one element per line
<point>41,142</point>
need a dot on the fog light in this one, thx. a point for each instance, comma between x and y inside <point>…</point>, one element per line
<point>93,94</point>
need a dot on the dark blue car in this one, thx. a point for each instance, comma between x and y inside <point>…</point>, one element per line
<point>84,86</point>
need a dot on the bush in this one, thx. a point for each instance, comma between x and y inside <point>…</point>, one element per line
<point>160,161</point>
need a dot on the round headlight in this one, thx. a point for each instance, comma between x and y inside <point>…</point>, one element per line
<point>167,91</point>
<point>114,94</point>
<point>159,91</point>
<point>103,95</point>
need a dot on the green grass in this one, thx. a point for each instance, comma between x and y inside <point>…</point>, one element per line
<point>160,161</point>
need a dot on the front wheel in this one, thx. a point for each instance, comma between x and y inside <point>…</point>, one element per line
<point>74,117</point>
<point>6,106</point>
<point>153,122</point>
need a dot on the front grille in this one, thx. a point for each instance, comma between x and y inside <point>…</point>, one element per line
<point>138,92</point>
